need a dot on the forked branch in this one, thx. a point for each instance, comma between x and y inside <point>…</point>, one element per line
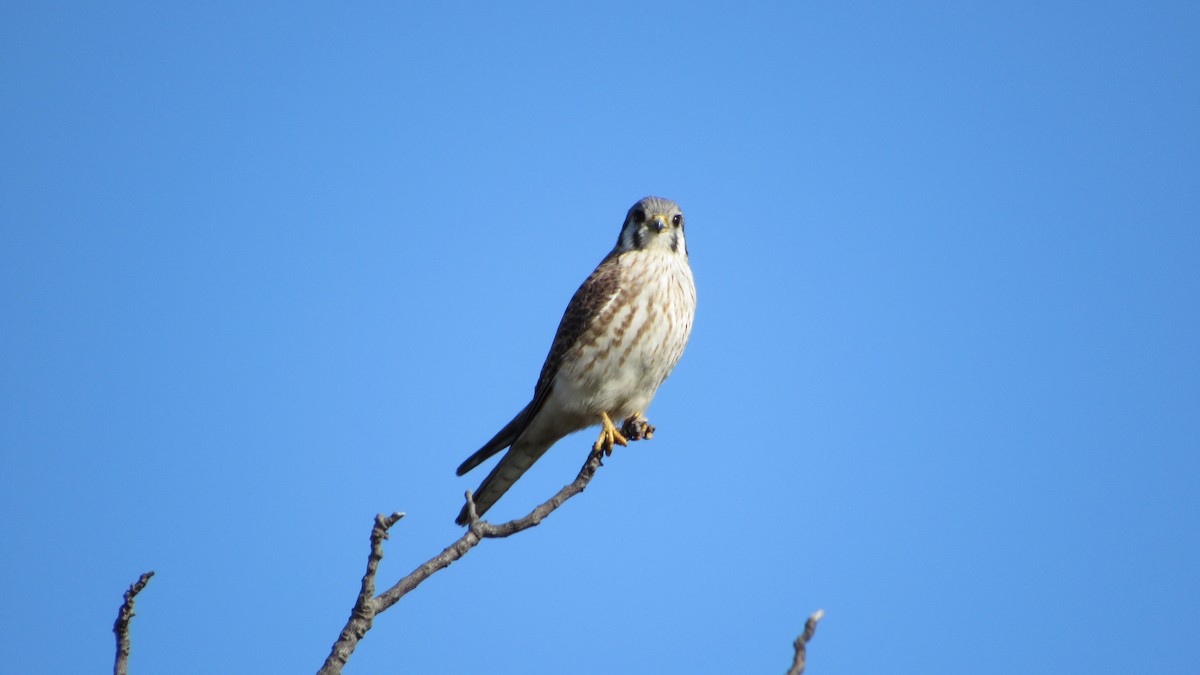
<point>368,605</point>
<point>366,608</point>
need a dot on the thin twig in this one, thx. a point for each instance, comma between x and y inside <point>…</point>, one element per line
<point>367,608</point>
<point>121,625</point>
<point>801,642</point>
<point>363,614</point>
<point>478,530</point>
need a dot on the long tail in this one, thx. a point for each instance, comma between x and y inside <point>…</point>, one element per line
<point>511,467</point>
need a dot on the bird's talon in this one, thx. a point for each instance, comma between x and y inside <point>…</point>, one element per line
<point>609,436</point>
<point>637,428</point>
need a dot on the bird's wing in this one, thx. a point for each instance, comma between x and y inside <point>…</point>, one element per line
<point>599,289</point>
<point>503,438</point>
<point>595,294</point>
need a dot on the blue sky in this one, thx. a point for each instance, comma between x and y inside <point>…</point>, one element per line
<point>268,270</point>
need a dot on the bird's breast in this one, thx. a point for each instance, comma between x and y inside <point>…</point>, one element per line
<point>635,340</point>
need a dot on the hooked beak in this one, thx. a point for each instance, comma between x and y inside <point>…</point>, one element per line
<point>659,222</point>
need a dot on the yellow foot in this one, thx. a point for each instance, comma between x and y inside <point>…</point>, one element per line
<point>609,436</point>
<point>637,428</point>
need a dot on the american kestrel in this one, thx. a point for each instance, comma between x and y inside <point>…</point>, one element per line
<point>621,335</point>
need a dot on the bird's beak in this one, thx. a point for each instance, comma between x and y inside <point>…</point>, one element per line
<point>659,222</point>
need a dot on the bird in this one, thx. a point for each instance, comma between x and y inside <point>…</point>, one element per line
<point>619,338</point>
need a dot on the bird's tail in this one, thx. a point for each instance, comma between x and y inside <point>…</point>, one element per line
<point>512,466</point>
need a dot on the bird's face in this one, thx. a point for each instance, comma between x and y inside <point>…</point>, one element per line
<point>653,224</point>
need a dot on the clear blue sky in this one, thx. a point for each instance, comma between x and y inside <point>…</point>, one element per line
<point>269,270</point>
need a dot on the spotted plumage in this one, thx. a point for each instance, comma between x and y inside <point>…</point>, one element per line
<point>621,335</point>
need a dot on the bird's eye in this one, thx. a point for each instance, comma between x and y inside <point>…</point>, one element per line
<point>677,220</point>
<point>637,216</point>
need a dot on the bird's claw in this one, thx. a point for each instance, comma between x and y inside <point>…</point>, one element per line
<point>609,436</point>
<point>637,428</point>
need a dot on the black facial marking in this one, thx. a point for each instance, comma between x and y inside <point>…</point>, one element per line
<point>638,216</point>
<point>638,237</point>
<point>675,241</point>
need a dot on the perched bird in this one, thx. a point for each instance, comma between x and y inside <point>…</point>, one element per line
<point>622,333</point>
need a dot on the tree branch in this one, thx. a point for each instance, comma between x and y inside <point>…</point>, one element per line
<point>121,625</point>
<point>367,608</point>
<point>801,643</point>
<point>363,614</point>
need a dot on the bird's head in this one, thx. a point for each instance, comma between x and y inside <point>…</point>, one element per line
<point>653,224</point>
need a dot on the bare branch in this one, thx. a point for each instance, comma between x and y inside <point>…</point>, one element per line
<point>367,608</point>
<point>121,626</point>
<point>363,614</point>
<point>801,642</point>
<point>478,530</point>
